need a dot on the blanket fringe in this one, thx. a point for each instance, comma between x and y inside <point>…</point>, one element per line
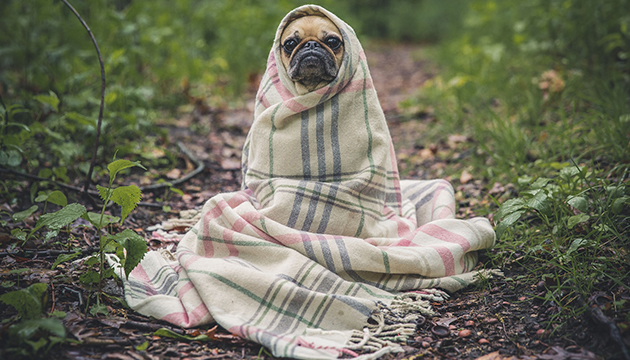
<point>393,324</point>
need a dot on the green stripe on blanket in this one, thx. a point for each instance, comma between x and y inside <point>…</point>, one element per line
<point>323,234</point>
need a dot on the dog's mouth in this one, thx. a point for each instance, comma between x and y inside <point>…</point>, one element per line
<point>313,65</point>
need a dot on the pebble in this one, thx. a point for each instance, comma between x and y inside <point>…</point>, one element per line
<point>469,323</point>
<point>483,341</point>
<point>452,327</point>
<point>426,344</point>
<point>464,333</point>
<point>492,320</point>
<point>540,332</point>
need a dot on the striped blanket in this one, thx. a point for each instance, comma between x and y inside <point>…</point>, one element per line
<point>323,234</point>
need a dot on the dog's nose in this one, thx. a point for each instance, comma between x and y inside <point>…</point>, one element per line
<point>312,44</point>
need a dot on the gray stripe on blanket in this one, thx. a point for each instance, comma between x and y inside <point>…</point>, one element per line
<point>321,144</point>
<point>306,160</point>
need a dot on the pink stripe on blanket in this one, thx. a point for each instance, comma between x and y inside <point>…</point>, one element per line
<point>403,228</point>
<point>403,243</point>
<point>254,216</point>
<point>139,273</point>
<point>184,289</point>
<point>301,237</point>
<point>353,86</point>
<point>448,211</point>
<point>228,236</point>
<point>447,236</point>
<point>185,319</point>
<point>262,99</point>
<point>294,106</point>
<point>447,259</point>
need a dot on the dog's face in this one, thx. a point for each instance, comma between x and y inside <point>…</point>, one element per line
<point>312,50</point>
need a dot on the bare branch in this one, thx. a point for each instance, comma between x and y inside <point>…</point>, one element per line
<point>88,181</point>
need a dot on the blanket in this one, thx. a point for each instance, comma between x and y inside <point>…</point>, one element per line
<point>324,235</point>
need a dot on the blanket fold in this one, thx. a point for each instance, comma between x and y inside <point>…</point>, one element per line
<point>323,234</point>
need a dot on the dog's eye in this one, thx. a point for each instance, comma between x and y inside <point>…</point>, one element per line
<point>289,45</point>
<point>333,43</point>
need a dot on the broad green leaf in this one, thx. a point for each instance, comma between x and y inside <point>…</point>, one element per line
<point>104,193</point>
<point>619,203</point>
<point>579,203</point>
<point>51,235</point>
<point>136,247</point>
<point>4,158</point>
<point>99,309</point>
<point>510,206</point>
<point>20,216</point>
<point>61,173</point>
<point>45,173</point>
<point>121,164</point>
<point>90,277</point>
<point>164,332</point>
<point>56,197</point>
<point>143,346</point>
<point>615,191</point>
<point>576,244</point>
<point>110,98</point>
<point>577,219</point>
<point>524,180</point>
<point>19,271</point>
<point>15,158</point>
<point>23,126</point>
<point>541,203</point>
<point>50,99</point>
<point>91,261</point>
<point>59,314</point>
<point>61,218</point>
<point>540,183</point>
<point>508,221</point>
<point>95,219</point>
<point>569,172</point>
<point>27,302</point>
<point>63,258</point>
<point>83,120</point>
<point>127,197</point>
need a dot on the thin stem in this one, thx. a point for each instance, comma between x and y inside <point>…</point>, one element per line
<point>88,181</point>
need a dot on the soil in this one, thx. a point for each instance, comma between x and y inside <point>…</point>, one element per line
<point>499,319</point>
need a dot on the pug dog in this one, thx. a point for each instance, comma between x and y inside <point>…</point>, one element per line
<point>312,51</point>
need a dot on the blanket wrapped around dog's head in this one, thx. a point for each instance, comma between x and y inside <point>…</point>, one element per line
<point>323,161</point>
<point>324,235</point>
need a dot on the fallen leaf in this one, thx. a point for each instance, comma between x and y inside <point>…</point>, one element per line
<point>455,139</point>
<point>174,174</point>
<point>466,177</point>
<point>497,188</point>
<point>426,154</point>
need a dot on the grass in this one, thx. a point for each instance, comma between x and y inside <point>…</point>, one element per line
<point>554,124</point>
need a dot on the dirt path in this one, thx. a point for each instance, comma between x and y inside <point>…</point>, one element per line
<point>499,319</point>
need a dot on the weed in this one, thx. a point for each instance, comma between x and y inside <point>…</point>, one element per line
<point>127,245</point>
<point>34,334</point>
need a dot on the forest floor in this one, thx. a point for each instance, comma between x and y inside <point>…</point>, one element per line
<point>503,318</point>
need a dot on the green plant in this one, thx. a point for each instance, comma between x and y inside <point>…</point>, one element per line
<point>34,334</point>
<point>579,223</point>
<point>128,246</point>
